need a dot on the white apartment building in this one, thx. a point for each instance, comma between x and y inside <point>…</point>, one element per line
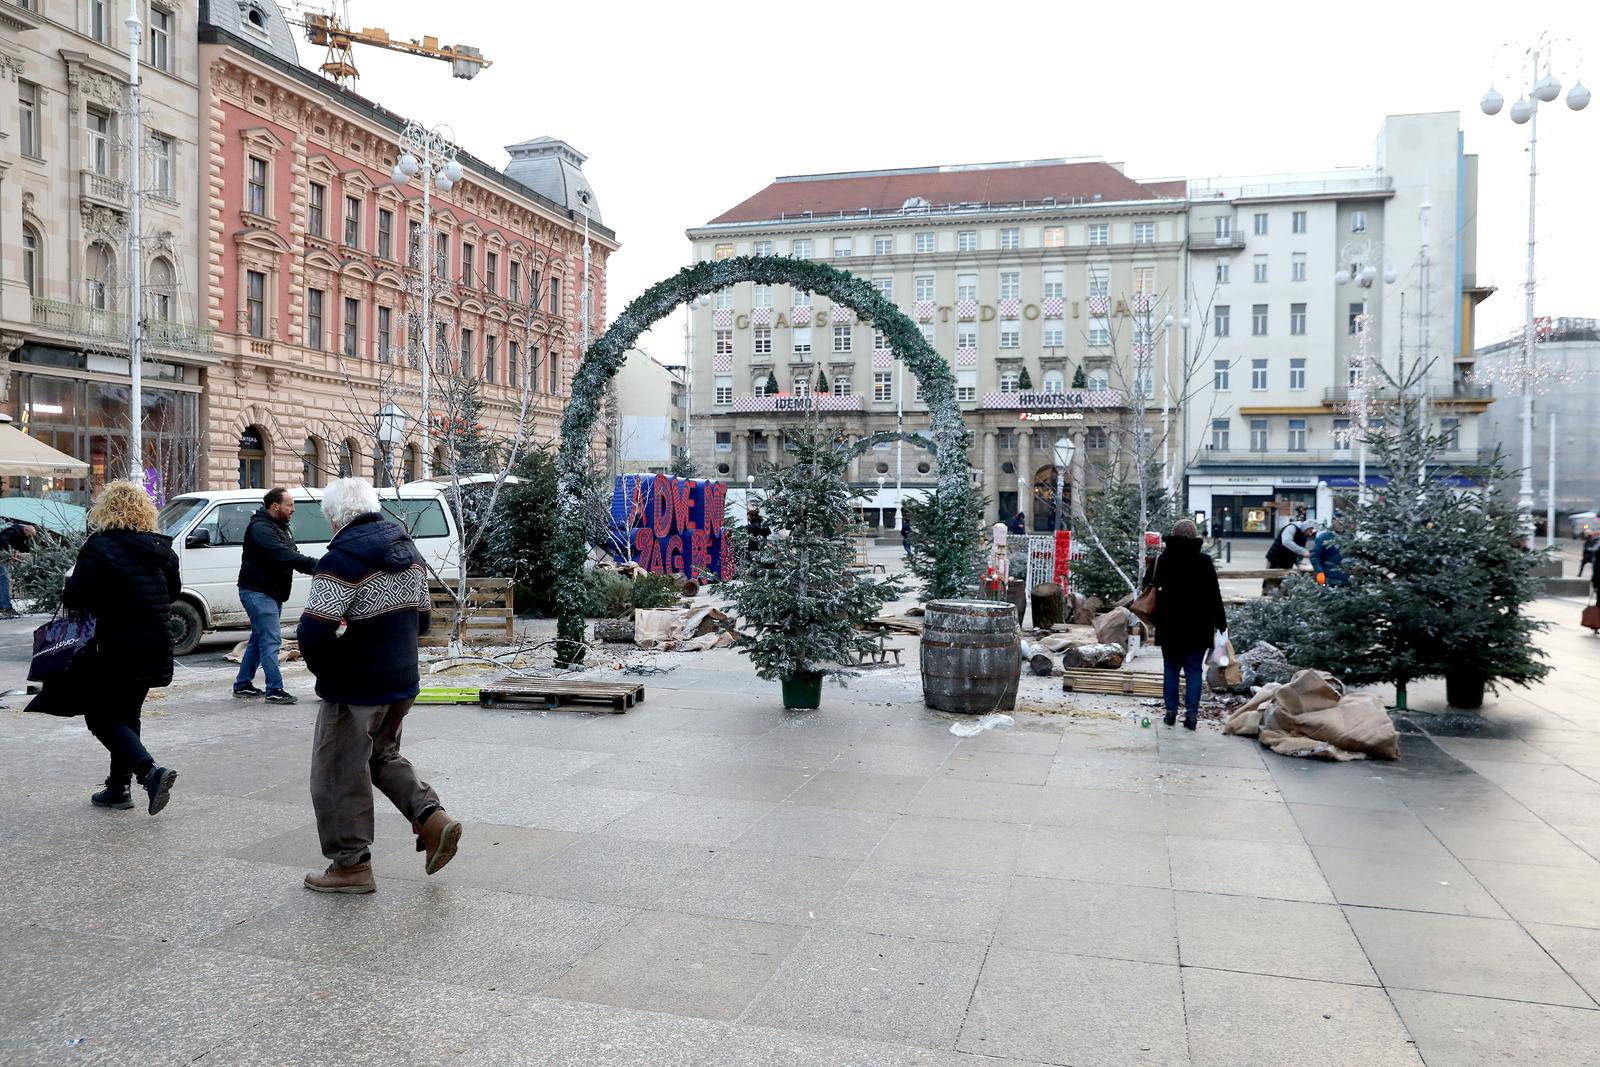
<point>651,412</point>
<point>1026,277</point>
<point>1272,335</point>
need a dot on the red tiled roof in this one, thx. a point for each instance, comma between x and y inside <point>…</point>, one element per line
<point>1174,187</point>
<point>889,190</point>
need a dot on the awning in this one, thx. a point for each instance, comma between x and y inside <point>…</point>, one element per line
<point>22,456</point>
<point>57,516</point>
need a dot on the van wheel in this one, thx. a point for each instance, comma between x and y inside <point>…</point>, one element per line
<point>187,626</point>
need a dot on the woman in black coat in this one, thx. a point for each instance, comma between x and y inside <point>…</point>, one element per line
<point>126,576</point>
<point>1188,614</point>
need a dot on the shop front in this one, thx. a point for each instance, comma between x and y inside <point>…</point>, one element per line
<point>1256,505</point>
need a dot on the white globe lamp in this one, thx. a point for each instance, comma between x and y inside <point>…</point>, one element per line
<point>1492,102</point>
<point>1578,96</point>
<point>407,165</point>
<point>1521,111</point>
<point>452,170</point>
<point>1547,88</point>
<point>1341,277</point>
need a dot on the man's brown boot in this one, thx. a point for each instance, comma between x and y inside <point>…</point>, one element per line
<point>439,835</point>
<point>337,879</point>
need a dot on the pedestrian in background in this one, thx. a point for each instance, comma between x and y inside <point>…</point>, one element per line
<point>14,539</point>
<point>1188,615</point>
<point>1327,561</point>
<point>266,574</point>
<point>1289,546</point>
<point>126,576</point>
<point>1590,544</point>
<point>905,533</point>
<point>1019,524</point>
<point>372,580</point>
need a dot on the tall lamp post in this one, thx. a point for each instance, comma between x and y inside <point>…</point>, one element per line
<point>1526,112</point>
<point>135,256</point>
<point>1063,458</point>
<point>1360,398</point>
<point>430,155</point>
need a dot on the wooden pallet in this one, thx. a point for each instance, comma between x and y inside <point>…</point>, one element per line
<point>490,614</point>
<point>561,694</point>
<point>1117,682</point>
<point>448,695</point>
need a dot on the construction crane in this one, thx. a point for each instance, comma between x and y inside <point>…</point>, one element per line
<point>332,30</point>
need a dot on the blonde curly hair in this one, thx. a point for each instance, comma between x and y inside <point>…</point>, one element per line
<point>123,505</point>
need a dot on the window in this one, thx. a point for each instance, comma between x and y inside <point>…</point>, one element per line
<point>1358,222</point>
<point>352,222</point>
<point>922,285</point>
<point>966,385</point>
<point>1099,330</point>
<point>1355,318</point>
<point>1099,233</point>
<point>724,299</point>
<point>491,272</point>
<point>1222,272</point>
<point>1219,435</point>
<point>99,276</point>
<point>1055,284</point>
<point>1341,435</point>
<point>841,385</point>
<point>801,341</point>
<point>1261,268</point>
<point>1297,374</point>
<point>1297,435</point>
<point>316,209</point>
<point>925,242</point>
<point>1144,383</point>
<point>514,281</point>
<point>30,261</point>
<point>762,341</point>
<point>159,294</point>
<point>1224,227</point>
<point>724,440</point>
<point>441,258</point>
<point>1258,320</point>
<point>1144,233</point>
<point>926,329</point>
<point>469,263</point>
<point>966,287</point>
<point>884,286</point>
<point>1220,321</point>
<point>160,148</point>
<point>385,233</point>
<point>1219,375</point>
<point>160,38</point>
<point>1010,237</point>
<point>554,361</point>
<point>385,333</point>
<point>800,385</point>
<point>841,338</point>
<point>1010,284</point>
<point>98,22</point>
<point>1144,280</point>
<point>843,247</point>
<point>883,246</point>
<point>723,251</point>
<point>352,319</point>
<point>1055,334</point>
<point>513,364</point>
<point>802,248</point>
<point>1009,381</point>
<point>314,318</point>
<point>491,346</point>
<point>255,303</point>
<point>1010,333</point>
<point>1055,236</point>
<point>723,341</point>
<point>1099,281</point>
<point>468,351</point>
<point>759,386</point>
<point>28,119</point>
<point>1055,383</point>
<point>414,244</point>
<point>1099,382</point>
<point>723,392</point>
<point>1258,435</point>
<point>99,127</point>
<point>1297,319</point>
<point>555,298</point>
<point>1261,224</point>
<point>967,335</point>
<point>1451,431</point>
<point>966,240</point>
<point>1258,374</point>
<point>1297,267</point>
<point>1299,222</point>
<point>763,296</point>
<point>802,299</point>
<point>880,341</point>
<point>882,386</point>
<point>761,248</point>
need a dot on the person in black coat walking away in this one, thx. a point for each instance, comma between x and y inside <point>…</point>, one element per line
<point>14,538</point>
<point>1188,614</point>
<point>126,576</point>
<point>266,570</point>
<point>1590,544</point>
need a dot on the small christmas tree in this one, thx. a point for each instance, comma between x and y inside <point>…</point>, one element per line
<point>1113,542</point>
<point>929,558</point>
<point>822,381</point>
<point>684,466</point>
<point>772,383</point>
<point>1079,380</point>
<point>797,603</point>
<point>1024,382</point>
<point>467,444</point>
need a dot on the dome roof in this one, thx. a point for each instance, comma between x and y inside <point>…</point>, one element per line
<point>554,169</point>
<point>260,22</point>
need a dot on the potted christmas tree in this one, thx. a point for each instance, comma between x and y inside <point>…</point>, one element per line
<point>797,601</point>
<point>1024,382</point>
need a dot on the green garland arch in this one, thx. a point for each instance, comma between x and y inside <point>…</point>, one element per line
<point>606,356</point>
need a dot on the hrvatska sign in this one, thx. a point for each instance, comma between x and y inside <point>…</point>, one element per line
<point>671,525</point>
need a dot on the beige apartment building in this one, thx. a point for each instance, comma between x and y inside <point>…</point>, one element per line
<point>1026,277</point>
<point>65,163</point>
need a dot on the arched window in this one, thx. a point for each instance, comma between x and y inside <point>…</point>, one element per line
<point>100,276</point>
<point>162,290</point>
<point>348,454</point>
<point>32,260</point>
<point>409,472</point>
<point>1009,381</point>
<point>253,458</point>
<point>1099,381</point>
<point>311,462</point>
<point>438,463</point>
<point>1054,382</point>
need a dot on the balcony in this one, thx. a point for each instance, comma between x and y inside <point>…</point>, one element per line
<point>1216,242</point>
<point>111,327</point>
<point>1321,457</point>
<point>1341,394</point>
<point>99,189</point>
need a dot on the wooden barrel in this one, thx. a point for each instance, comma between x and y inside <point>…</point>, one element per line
<point>971,656</point>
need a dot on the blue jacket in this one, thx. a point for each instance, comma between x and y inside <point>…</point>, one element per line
<point>372,579</point>
<point>1326,558</point>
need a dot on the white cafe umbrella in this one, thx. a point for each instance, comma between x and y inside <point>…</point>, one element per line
<point>22,456</point>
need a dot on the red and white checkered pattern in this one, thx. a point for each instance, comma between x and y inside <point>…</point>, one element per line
<point>966,309</point>
<point>785,402</point>
<point>761,316</point>
<point>1099,305</point>
<point>882,360</point>
<point>1142,302</point>
<point>842,315</point>
<point>1010,307</point>
<point>1054,307</point>
<point>802,316</point>
<point>925,310</point>
<point>1071,400</point>
<point>722,363</point>
<point>722,319</point>
<point>1143,350</point>
<point>966,357</point>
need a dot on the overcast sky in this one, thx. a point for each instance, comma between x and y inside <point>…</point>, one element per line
<point>686,109</point>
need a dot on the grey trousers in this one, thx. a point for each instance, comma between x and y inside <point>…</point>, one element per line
<point>356,747</point>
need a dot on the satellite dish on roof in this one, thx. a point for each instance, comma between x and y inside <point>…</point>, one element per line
<point>915,203</point>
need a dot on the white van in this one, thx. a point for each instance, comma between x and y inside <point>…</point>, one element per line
<point>207,531</point>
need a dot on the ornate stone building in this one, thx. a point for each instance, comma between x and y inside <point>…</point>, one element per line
<point>312,256</point>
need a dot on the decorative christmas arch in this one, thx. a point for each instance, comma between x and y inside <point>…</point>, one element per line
<point>608,353</point>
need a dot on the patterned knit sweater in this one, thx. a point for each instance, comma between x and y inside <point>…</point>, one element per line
<point>371,579</point>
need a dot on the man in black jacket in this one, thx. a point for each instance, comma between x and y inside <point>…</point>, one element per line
<point>266,572</point>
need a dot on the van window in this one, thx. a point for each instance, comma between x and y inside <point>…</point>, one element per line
<point>308,525</point>
<point>227,522</point>
<point>421,518</point>
<point>176,515</point>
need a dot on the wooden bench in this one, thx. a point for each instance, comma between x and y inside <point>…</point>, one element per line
<point>560,694</point>
<point>1271,578</point>
<point>879,654</point>
<point>490,614</point>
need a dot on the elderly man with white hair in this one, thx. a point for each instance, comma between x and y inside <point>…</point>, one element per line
<point>371,579</point>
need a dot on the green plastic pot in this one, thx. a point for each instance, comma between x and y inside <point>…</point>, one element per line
<point>803,691</point>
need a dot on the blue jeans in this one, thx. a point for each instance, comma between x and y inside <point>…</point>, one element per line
<point>5,587</point>
<point>266,637</point>
<point>1190,663</point>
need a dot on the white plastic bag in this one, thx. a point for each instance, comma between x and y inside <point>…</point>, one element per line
<point>1219,648</point>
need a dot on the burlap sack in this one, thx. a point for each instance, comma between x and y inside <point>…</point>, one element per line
<point>1355,723</point>
<point>1309,691</point>
<point>1306,748</point>
<point>653,627</point>
<point>1244,723</point>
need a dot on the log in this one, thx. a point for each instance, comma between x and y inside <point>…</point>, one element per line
<point>615,631</point>
<point>1040,662</point>
<point>1049,605</point>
